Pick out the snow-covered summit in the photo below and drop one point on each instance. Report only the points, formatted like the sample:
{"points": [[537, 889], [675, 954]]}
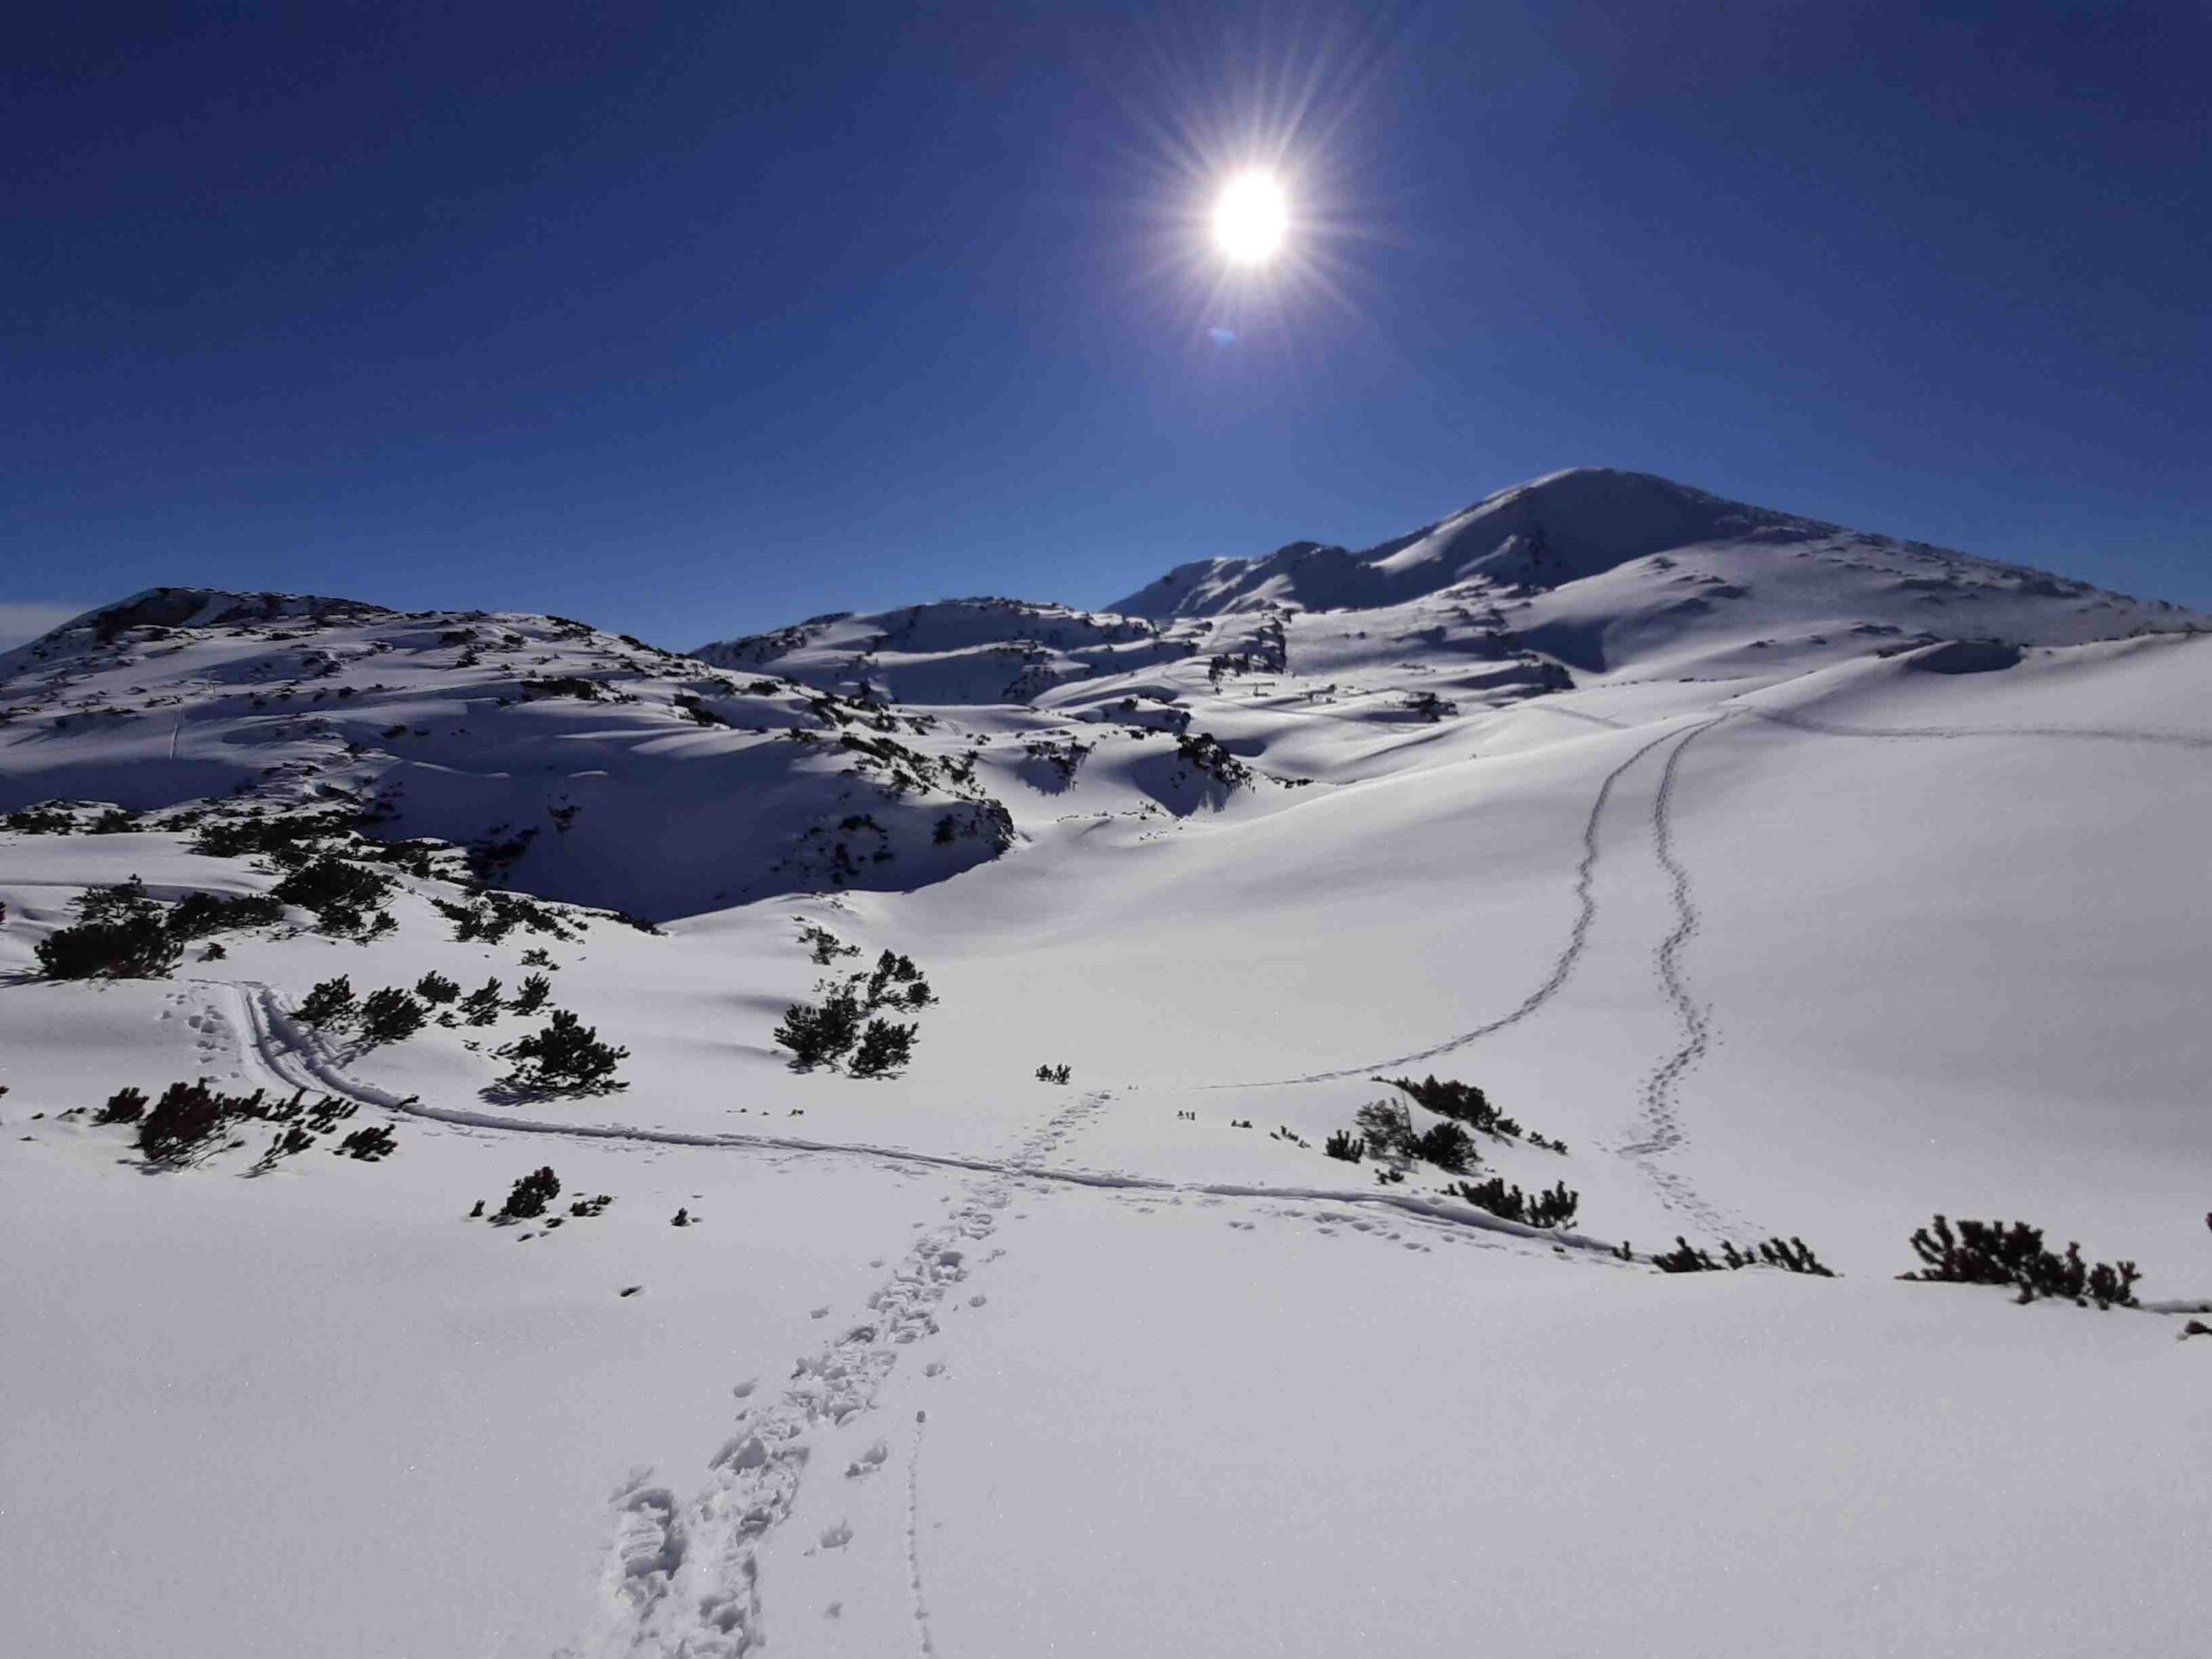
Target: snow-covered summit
{"points": [[1565, 525], [1588, 522], [1592, 569]]}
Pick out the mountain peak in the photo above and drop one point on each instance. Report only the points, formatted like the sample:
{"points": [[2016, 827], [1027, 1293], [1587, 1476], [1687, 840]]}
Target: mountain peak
{"points": [[196, 608], [1562, 526]]}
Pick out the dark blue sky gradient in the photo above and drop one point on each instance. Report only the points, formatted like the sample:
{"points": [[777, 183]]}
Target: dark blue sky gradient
{"points": [[692, 319]]}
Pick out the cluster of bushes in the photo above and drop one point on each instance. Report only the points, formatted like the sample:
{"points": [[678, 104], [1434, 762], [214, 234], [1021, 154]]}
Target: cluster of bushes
{"points": [[825, 946], [1995, 1253], [1386, 1130], [824, 1032], [346, 898], [838, 1027], [1203, 752], [123, 933], [1429, 707], [528, 1197], [1791, 1255], [1060, 1073], [1065, 757], [390, 1015], [1463, 1103], [532, 1195], [492, 916], [1555, 1208], [272, 836], [40, 821], [189, 1115]]}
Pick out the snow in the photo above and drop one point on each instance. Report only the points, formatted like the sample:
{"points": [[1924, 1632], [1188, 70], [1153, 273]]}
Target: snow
{"points": [[1803, 882]]}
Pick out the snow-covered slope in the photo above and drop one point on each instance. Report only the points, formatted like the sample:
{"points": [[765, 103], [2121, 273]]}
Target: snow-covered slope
{"points": [[1785, 882], [957, 651], [579, 764]]}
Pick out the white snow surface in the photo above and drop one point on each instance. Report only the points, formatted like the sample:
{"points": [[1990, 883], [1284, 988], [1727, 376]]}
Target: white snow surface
{"points": [[1803, 882]]}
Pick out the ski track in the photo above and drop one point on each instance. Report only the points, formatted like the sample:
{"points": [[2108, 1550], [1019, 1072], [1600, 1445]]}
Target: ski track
{"points": [[2088, 733], [1658, 1120], [1563, 967]]}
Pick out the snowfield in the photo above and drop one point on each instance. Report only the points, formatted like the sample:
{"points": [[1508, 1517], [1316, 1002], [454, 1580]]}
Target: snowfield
{"points": [[1775, 881]]}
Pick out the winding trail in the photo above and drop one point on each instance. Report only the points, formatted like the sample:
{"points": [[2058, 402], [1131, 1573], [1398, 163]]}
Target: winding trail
{"points": [[293, 1058], [1659, 1121], [1563, 967]]}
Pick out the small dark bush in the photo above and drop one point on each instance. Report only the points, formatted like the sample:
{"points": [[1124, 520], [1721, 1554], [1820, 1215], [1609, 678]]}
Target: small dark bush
{"points": [[884, 1047], [532, 1194], [436, 990], [483, 1004], [826, 946], [1448, 1145], [1993, 1253], [1053, 1073], [391, 1015], [124, 1106], [186, 1114], [330, 1003], [535, 989], [369, 1144], [1346, 1145], [1684, 1258], [1388, 1128], [566, 1057]]}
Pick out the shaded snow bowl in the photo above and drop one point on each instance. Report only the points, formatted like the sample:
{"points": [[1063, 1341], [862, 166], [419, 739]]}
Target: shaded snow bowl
{"points": [[1965, 657]]}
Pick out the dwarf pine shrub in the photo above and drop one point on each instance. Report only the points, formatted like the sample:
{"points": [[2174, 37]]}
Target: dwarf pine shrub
{"points": [[391, 1015], [531, 1194], [1994, 1253], [884, 1047], [436, 990], [330, 1003], [564, 1057]]}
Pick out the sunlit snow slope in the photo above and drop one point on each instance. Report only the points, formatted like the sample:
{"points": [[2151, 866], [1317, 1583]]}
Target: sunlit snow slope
{"points": [[1791, 881]]}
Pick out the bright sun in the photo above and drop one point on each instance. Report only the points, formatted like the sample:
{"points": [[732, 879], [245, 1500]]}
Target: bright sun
{"points": [[1249, 217]]}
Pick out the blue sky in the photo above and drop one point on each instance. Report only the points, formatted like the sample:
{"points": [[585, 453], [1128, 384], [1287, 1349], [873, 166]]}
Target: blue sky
{"points": [[693, 319]]}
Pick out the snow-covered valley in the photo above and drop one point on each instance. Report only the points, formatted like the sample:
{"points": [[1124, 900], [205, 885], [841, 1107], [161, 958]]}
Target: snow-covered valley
{"points": [[1769, 881]]}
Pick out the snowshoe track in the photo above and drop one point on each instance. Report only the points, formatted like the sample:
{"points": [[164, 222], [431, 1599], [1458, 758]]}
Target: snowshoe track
{"points": [[1563, 968], [685, 1579], [1658, 1121]]}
